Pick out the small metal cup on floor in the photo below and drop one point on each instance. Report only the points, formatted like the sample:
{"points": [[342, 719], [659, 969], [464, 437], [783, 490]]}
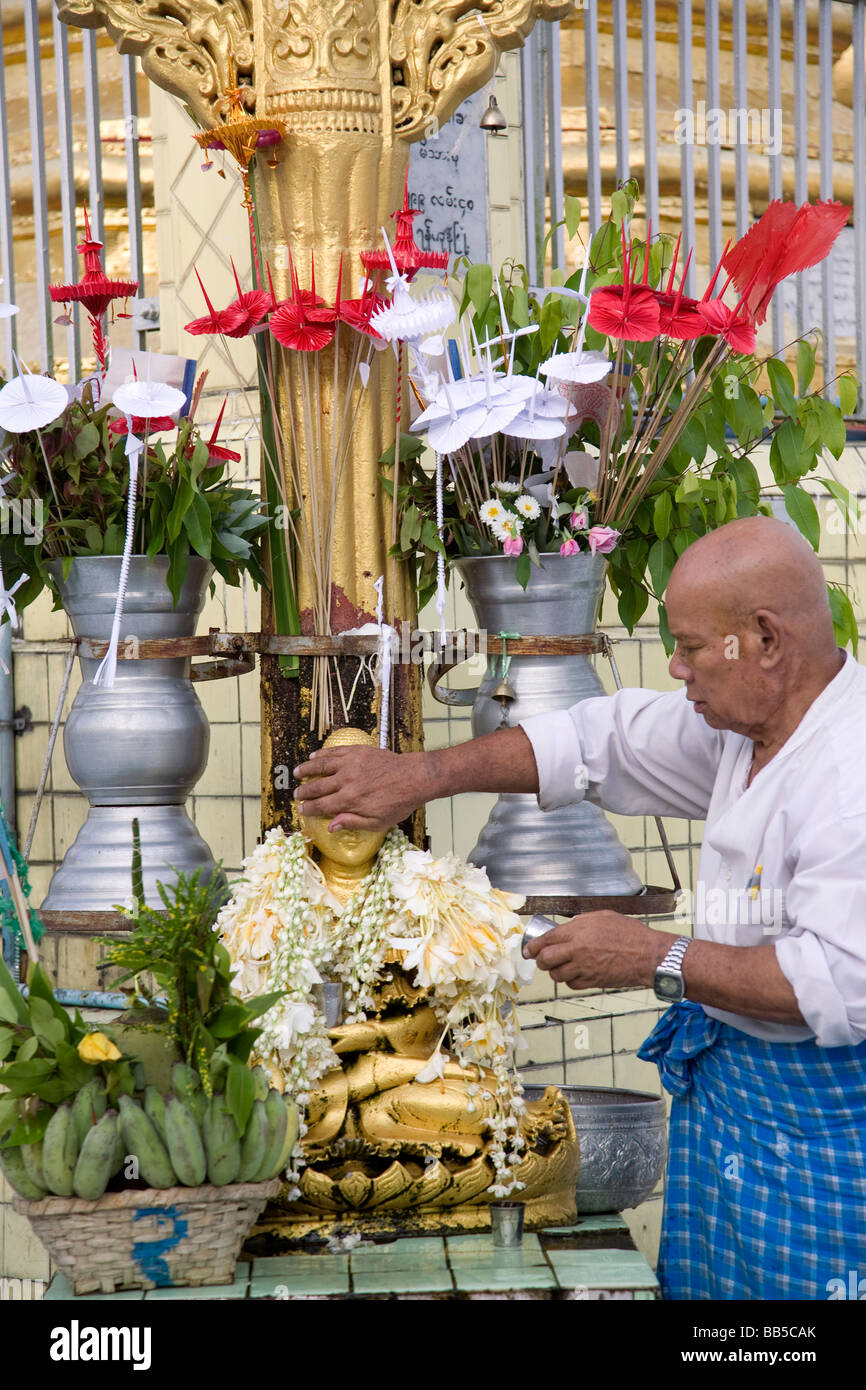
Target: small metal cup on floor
{"points": [[536, 926], [506, 1223], [329, 997]]}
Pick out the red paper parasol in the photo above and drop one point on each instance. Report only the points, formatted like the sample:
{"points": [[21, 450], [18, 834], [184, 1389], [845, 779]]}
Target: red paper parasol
{"points": [[407, 254], [250, 306], [231, 322], [629, 310], [304, 322], [94, 290]]}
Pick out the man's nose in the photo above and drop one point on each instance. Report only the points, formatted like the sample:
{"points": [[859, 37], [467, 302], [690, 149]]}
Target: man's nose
{"points": [[679, 669]]}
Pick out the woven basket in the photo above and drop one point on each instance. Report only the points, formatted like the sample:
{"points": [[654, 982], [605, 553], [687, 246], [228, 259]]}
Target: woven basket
{"points": [[149, 1238]]}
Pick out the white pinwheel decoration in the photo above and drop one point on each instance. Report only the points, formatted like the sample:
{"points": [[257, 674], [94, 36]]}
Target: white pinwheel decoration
{"points": [[576, 368], [29, 402], [148, 399]]}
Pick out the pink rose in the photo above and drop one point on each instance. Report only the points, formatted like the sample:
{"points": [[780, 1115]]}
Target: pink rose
{"points": [[602, 540], [579, 521], [513, 545], [570, 547]]}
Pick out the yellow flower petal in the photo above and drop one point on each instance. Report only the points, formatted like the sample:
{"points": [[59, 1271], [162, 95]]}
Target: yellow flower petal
{"points": [[96, 1048]]}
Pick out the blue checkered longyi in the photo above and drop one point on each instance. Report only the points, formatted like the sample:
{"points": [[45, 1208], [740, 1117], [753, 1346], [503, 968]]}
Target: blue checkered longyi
{"points": [[766, 1180]]}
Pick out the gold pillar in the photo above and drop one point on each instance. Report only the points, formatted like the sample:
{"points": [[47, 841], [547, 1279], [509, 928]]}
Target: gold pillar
{"points": [[355, 82]]}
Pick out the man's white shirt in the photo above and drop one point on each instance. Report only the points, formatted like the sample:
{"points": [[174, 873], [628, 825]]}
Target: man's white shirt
{"points": [[800, 829]]}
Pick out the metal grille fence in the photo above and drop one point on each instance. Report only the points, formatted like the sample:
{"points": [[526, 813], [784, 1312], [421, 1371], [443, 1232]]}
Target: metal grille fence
{"points": [[634, 54], [78, 100], [74, 76]]}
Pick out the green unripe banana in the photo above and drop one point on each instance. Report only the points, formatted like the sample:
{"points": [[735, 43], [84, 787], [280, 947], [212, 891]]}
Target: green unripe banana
{"points": [[185, 1148], [93, 1169], [13, 1168], [154, 1109], [88, 1108], [278, 1123], [293, 1126], [254, 1142], [260, 1077], [186, 1084], [293, 1129], [222, 1146], [142, 1140], [60, 1152], [119, 1155], [32, 1156]]}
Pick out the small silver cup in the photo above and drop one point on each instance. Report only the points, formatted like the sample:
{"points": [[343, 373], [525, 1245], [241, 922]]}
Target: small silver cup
{"points": [[506, 1223], [329, 997], [536, 926]]}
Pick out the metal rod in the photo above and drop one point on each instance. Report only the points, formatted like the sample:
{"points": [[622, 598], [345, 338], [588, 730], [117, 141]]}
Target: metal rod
{"points": [[593, 150], [7, 245], [94, 142], [825, 127], [556, 188], [687, 153], [533, 151], [858, 105], [46, 764], [774, 91], [741, 98], [620, 87], [41, 246], [650, 113], [801, 141], [133, 178], [67, 185], [714, 153]]}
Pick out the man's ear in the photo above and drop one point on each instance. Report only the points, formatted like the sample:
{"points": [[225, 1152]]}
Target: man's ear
{"points": [[769, 630]]}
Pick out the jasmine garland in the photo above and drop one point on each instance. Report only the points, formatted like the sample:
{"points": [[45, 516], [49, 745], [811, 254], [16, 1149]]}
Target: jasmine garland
{"points": [[458, 938]]}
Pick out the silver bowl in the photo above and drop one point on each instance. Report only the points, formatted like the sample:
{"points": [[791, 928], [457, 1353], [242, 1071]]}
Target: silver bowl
{"points": [[623, 1144]]}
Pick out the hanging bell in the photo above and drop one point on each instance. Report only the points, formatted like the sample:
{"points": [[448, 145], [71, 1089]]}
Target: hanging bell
{"points": [[504, 692], [493, 120]]}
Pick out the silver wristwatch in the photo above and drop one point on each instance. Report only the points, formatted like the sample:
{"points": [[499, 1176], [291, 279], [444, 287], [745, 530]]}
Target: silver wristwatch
{"points": [[668, 984]]}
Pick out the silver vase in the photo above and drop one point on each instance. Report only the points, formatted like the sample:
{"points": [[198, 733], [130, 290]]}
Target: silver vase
{"points": [[136, 750], [573, 851]]}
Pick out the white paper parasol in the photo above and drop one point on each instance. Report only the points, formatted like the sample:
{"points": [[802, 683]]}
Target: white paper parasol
{"points": [[29, 402], [147, 399]]}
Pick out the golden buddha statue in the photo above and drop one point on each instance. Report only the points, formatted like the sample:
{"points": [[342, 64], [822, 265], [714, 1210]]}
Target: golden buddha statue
{"points": [[399, 1136]]}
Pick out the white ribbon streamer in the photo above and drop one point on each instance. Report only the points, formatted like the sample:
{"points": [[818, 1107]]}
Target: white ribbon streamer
{"points": [[386, 633], [441, 587], [7, 603], [107, 669]]}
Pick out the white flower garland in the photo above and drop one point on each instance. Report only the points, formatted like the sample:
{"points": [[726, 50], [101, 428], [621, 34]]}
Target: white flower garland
{"points": [[460, 941]]}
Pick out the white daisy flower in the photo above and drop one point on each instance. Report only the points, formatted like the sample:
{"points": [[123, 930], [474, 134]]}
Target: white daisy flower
{"points": [[507, 487], [526, 506], [491, 511]]}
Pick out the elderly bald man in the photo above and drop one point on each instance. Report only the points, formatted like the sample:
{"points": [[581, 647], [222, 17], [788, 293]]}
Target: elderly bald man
{"points": [[764, 1049]]}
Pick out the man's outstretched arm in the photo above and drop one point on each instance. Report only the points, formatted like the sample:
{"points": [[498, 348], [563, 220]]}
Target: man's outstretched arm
{"points": [[372, 788]]}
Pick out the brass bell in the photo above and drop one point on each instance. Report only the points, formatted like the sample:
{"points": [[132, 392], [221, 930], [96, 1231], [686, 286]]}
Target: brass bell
{"points": [[504, 692], [493, 120]]}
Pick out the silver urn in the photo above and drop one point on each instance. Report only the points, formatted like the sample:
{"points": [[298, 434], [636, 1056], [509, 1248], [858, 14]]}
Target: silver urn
{"points": [[573, 851], [136, 750], [623, 1144]]}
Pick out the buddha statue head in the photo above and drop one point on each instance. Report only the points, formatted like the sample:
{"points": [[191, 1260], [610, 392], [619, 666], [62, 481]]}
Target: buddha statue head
{"points": [[344, 856]]}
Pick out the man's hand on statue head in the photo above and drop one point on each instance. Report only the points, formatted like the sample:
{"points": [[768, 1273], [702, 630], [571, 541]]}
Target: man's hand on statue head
{"points": [[373, 789], [600, 950], [362, 788]]}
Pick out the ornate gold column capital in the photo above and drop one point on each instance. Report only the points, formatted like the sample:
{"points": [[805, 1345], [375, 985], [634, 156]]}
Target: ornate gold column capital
{"points": [[362, 66]]}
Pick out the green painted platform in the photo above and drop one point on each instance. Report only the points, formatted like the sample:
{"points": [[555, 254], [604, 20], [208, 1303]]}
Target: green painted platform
{"points": [[590, 1260]]}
